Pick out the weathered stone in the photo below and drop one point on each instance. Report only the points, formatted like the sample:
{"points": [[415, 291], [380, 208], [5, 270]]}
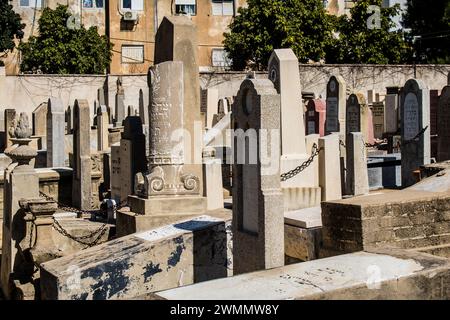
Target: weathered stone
{"points": [[55, 133], [10, 125], [81, 189], [357, 179], [257, 197], [212, 177], [329, 164], [443, 125], [21, 181], [378, 119], [39, 119], [415, 117], [128, 267], [374, 275], [176, 40], [132, 155], [143, 107], [102, 128], [116, 175], [336, 105], [120, 103]]}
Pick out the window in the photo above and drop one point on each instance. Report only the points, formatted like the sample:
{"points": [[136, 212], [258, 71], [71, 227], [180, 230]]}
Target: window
{"points": [[93, 3], [220, 58], [186, 7], [222, 7], [133, 54], [134, 5], [31, 3]]}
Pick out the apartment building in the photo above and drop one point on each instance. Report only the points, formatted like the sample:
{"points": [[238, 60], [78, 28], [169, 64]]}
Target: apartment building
{"points": [[132, 25]]}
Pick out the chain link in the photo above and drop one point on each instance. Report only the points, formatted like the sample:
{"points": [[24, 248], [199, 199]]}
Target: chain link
{"points": [[290, 174], [98, 233], [341, 143]]}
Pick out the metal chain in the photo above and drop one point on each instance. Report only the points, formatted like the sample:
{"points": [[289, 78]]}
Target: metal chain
{"points": [[376, 144], [341, 143], [290, 174], [99, 232], [421, 132]]}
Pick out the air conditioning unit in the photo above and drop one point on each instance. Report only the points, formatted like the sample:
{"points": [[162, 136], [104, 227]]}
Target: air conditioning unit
{"points": [[130, 16]]}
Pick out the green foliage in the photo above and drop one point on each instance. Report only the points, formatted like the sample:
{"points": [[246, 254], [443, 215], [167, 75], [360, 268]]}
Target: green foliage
{"points": [[265, 25], [431, 20], [62, 50], [10, 26], [357, 43]]}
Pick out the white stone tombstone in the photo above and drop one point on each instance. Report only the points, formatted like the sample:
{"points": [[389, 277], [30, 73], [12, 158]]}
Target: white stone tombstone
{"points": [[55, 133], [415, 117], [329, 168], [357, 176], [258, 228], [285, 75]]}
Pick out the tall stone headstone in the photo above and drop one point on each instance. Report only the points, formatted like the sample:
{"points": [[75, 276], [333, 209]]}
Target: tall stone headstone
{"points": [[69, 120], [143, 107], [81, 182], [176, 40], [39, 116], [443, 125], [315, 117], [102, 128], [353, 117], [335, 105], [211, 98], [258, 220], [120, 103], [329, 164], [415, 116], [357, 176], [132, 154], [166, 154], [434, 103], [391, 109], [284, 74], [378, 119], [116, 174], [10, 123], [55, 133]]}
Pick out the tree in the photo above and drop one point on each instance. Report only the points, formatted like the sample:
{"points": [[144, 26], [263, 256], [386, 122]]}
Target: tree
{"points": [[265, 25], [368, 36], [10, 26], [59, 49], [430, 21]]}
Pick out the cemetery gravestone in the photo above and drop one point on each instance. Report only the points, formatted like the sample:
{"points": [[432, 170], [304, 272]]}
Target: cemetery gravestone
{"points": [[335, 105], [55, 133], [415, 145]]}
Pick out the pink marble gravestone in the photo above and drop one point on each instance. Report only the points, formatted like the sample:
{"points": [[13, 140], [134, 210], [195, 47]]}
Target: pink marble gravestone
{"points": [[315, 117]]}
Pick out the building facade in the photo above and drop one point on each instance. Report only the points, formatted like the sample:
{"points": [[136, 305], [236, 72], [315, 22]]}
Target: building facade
{"points": [[132, 25]]}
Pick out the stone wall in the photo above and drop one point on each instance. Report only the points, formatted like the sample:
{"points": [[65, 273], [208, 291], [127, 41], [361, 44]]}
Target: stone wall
{"points": [[402, 219], [26, 92]]}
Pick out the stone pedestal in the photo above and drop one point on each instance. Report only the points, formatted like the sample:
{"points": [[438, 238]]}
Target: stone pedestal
{"points": [[21, 181]]}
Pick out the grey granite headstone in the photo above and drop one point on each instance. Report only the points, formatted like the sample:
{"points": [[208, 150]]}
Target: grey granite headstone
{"points": [[415, 109], [443, 125]]}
